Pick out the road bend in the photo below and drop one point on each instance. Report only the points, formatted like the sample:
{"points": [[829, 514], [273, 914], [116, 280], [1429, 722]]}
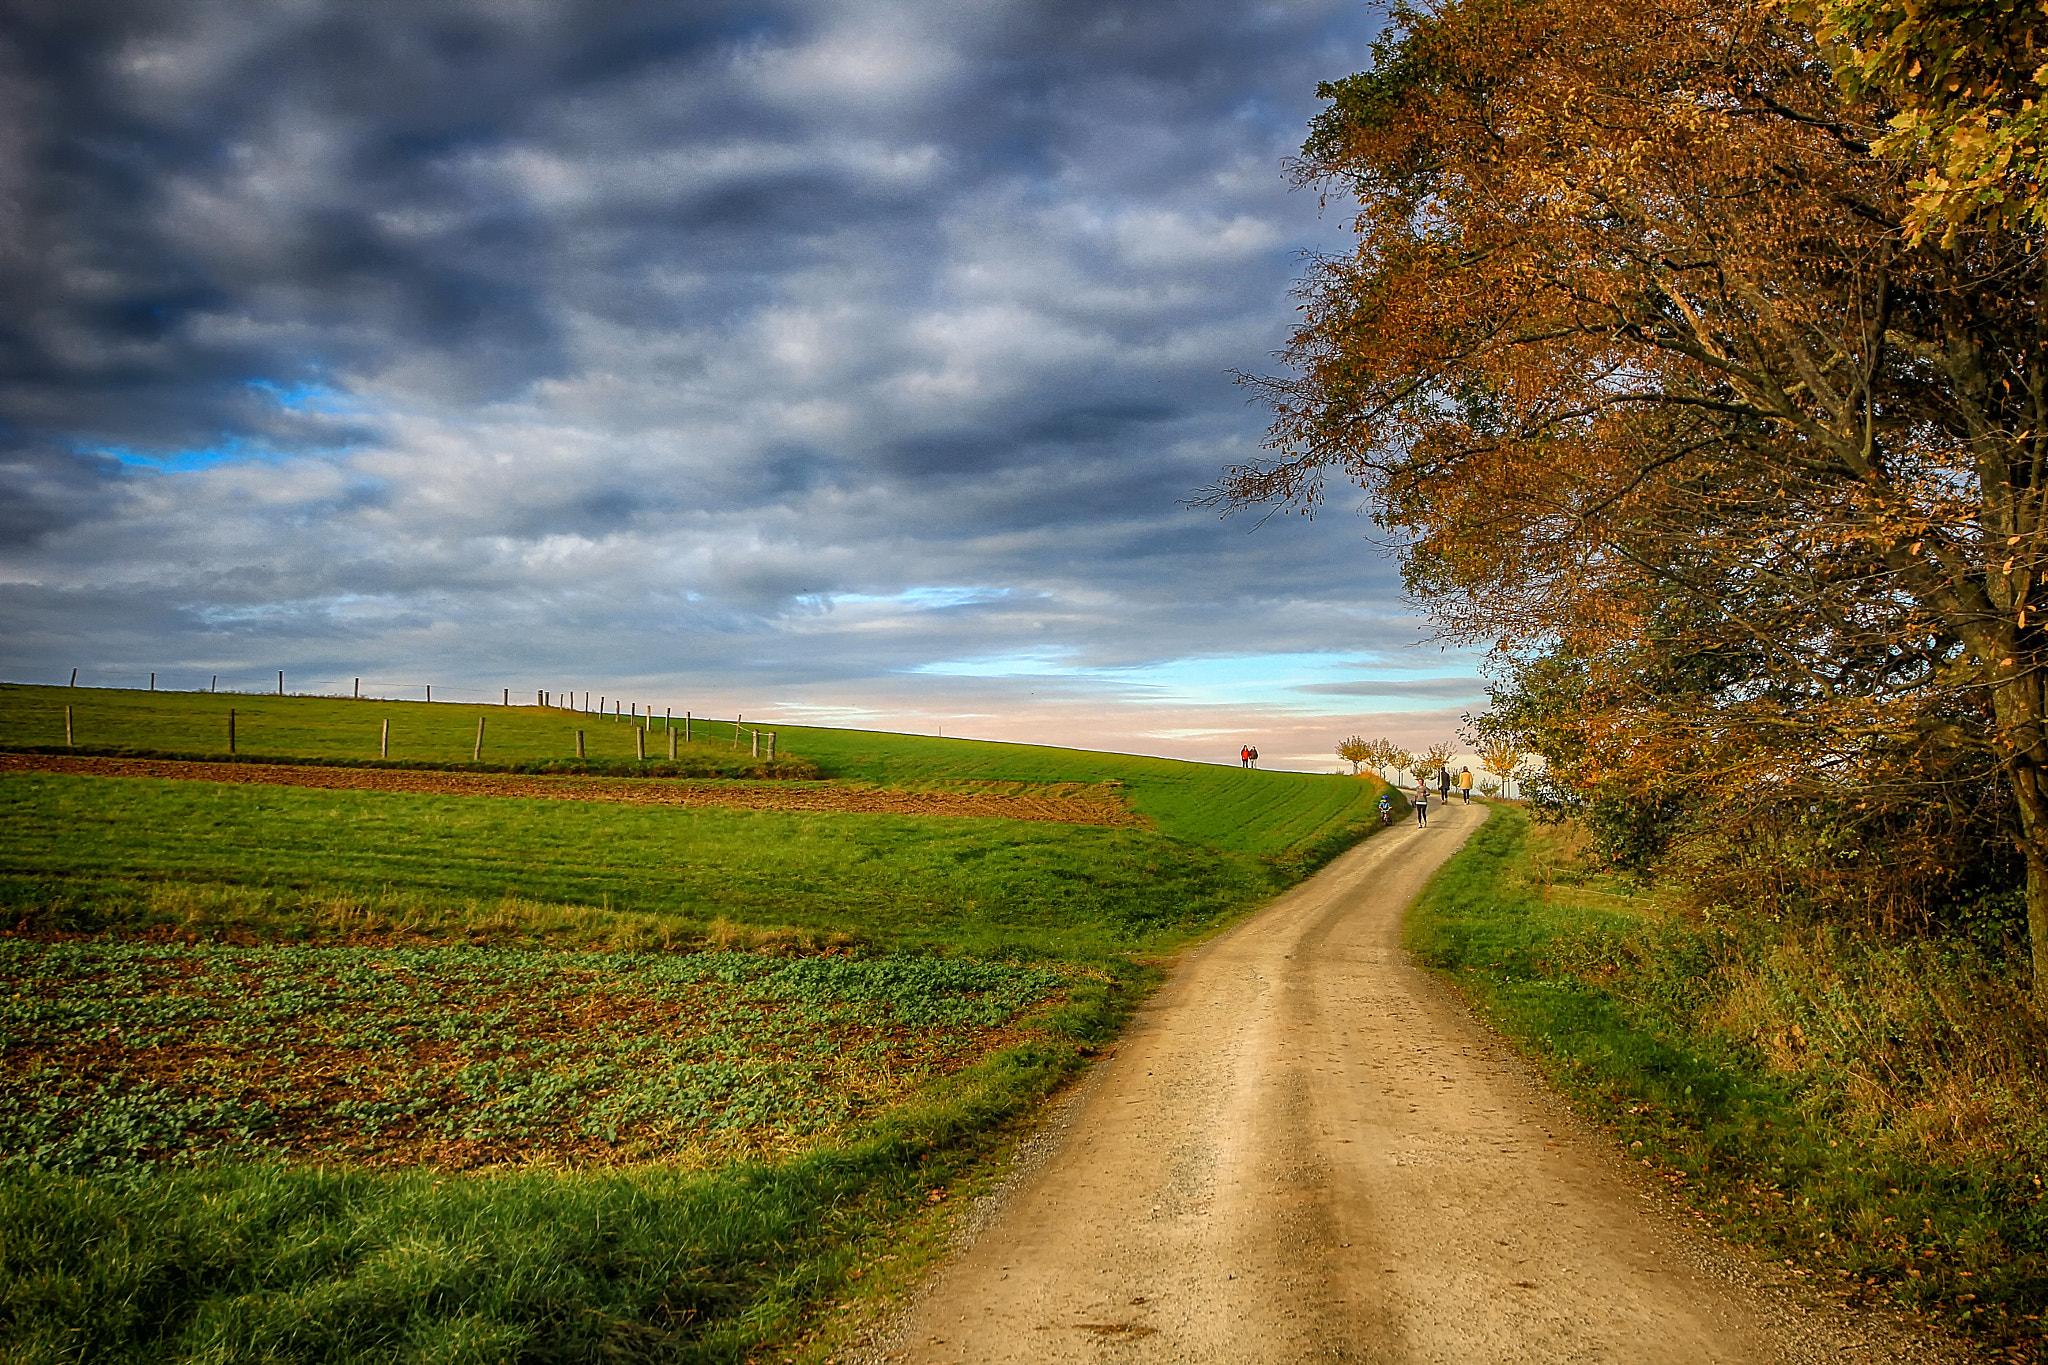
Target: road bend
{"points": [[1305, 1149]]}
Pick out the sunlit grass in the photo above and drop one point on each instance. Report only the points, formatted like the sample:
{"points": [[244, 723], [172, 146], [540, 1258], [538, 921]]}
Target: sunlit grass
{"points": [[1860, 1107], [83, 853], [1267, 814]]}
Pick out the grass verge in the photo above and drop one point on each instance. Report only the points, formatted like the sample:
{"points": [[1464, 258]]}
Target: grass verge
{"points": [[1643, 1014]]}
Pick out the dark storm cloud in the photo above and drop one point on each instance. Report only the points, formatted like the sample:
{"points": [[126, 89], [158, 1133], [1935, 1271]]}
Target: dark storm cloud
{"points": [[45, 489], [785, 344]]}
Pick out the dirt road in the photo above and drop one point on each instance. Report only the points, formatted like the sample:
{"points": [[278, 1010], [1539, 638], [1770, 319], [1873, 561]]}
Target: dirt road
{"points": [[1305, 1150]]}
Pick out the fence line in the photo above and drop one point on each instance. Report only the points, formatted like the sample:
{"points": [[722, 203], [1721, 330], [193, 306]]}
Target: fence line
{"points": [[640, 715]]}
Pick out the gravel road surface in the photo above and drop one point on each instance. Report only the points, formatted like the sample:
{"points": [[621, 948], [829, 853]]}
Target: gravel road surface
{"points": [[1306, 1150]]}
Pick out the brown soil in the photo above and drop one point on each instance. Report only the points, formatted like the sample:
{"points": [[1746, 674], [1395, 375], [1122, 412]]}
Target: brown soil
{"points": [[1307, 1150], [1073, 805], [301, 1076]]}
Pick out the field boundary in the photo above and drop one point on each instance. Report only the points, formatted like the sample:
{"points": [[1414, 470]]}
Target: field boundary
{"points": [[696, 765], [831, 799]]}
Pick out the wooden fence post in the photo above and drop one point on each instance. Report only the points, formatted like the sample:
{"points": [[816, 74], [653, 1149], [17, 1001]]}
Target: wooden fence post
{"points": [[74, 677], [430, 691], [280, 682], [756, 735], [384, 740], [359, 689], [737, 718], [639, 744], [152, 682], [671, 746], [579, 744], [771, 746], [477, 754], [231, 729], [67, 727], [508, 696], [686, 727], [216, 684]]}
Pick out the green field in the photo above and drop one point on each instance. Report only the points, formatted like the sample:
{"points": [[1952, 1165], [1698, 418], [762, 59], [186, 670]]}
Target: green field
{"points": [[1245, 810], [309, 1075], [1262, 813], [331, 727], [83, 854]]}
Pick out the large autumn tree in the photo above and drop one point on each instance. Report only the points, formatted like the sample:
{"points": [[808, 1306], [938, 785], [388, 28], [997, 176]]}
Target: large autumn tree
{"points": [[1644, 361]]}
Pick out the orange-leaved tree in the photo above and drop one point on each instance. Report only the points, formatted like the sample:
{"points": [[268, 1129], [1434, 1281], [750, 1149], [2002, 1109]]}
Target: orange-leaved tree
{"points": [[1355, 750], [1393, 760], [1644, 365]]}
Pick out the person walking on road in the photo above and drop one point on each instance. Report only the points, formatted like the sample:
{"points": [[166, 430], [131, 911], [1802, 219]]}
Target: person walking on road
{"points": [[1421, 803], [1465, 783], [1443, 783]]}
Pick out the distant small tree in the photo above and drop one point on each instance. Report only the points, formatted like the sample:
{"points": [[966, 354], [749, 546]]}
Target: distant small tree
{"points": [[1399, 759], [1437, 756], [1356, 750], [1502, 756]]}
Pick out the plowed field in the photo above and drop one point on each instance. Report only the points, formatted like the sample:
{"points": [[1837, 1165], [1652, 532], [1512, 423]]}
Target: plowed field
{"points": [[1062, 803]]}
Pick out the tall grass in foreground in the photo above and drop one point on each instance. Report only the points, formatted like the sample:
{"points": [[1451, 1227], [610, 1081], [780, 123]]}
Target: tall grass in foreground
{"points": [[1871, 1110]]}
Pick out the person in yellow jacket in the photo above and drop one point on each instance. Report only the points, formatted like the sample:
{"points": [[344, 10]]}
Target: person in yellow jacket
{"points": [[1465, 784]]}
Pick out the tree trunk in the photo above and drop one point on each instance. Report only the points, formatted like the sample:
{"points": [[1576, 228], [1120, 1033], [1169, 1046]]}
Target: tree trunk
{"points": [[2026, 781], [2017, 709]]}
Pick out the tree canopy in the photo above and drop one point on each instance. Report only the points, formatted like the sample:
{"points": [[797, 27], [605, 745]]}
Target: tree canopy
{"points": [[1967, 81], [1653, 376]]}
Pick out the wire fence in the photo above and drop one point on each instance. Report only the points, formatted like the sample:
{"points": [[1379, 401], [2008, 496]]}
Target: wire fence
{"points": [[578, 701]]}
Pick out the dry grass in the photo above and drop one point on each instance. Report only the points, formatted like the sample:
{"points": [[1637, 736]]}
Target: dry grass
{"points": [[1917, 1043], [1923, 1044]]}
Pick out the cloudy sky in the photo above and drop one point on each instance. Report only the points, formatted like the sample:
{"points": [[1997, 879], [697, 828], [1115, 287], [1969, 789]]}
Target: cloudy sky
{"points": [[847, 362]]}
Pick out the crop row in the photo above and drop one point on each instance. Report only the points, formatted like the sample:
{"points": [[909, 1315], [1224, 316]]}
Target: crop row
{"points": [[125, 1053]]}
